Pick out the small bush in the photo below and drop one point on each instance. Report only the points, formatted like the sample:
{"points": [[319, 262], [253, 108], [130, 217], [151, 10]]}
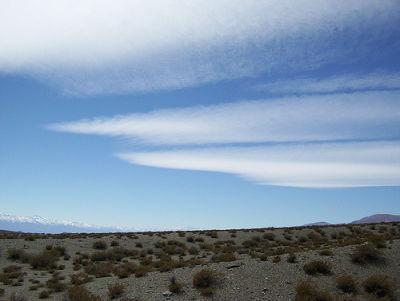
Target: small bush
{"points": [[224, 257], [55, 285], [346, 284], [365, 254], [44, 294], [16, 254], [116, 290], [380, 286], [276, 259], [79, 293], [205, 280], [291, 258], [306, 291], [269, 236], [114, 243], [80, 278], [175, 286], [317, 267], [100, 245], [99, 269]]}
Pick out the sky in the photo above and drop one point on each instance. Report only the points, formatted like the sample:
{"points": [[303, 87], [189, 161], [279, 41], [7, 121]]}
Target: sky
{"points": [[200, 114]]}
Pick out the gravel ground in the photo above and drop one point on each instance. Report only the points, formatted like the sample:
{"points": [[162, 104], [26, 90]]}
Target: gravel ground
{"points": [[249, 279]]}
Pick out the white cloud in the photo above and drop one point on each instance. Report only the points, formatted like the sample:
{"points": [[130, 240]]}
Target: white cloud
{"points": [[347, 82], [361, 116], [309, 165], [99, 46]]}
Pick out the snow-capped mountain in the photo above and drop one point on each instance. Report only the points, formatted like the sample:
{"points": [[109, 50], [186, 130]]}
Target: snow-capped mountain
{"points": [[38, 224]]}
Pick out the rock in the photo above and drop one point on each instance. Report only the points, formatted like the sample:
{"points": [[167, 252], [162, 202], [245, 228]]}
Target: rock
{"points": [[233, 266], [167, 294]]}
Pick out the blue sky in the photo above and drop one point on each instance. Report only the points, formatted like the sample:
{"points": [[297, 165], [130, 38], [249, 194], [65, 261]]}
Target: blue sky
{"points": [[200, 114]]}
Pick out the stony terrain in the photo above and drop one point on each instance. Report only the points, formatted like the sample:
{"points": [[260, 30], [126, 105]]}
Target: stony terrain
{"points": [[303, 263]]}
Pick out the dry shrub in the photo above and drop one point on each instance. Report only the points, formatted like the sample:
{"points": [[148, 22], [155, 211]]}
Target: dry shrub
{"points": [[306, 291], [44, 294], [99, 269], [205, 281], [365, 254], [115, 290], [100, 245], [79, 293], [380, 286], [80, 278], [224, 257], [15, 254], [269, 236], [346, 284], [175, 286], [276, 259], [292, 258], [316, 267]]}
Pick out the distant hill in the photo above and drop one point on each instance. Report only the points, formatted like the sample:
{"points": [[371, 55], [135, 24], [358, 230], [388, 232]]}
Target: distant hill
{"points": [[378, 218], [38, 224], [319, 224]]}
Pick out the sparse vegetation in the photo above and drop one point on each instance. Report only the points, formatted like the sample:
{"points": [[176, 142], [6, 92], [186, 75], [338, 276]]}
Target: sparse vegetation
{"points": [[41, 265]]}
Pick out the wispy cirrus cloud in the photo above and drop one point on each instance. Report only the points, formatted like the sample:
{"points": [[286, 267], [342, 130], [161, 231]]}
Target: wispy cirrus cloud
{"points": [[335, 84], [94, 46], [306, 165], [355, 116], [313, 141]]}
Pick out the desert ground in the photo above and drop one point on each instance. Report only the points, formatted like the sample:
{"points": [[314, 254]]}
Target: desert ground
{"points": [[321, 263]]}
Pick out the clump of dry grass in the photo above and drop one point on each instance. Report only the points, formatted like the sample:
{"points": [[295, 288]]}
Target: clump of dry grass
{"points": [[307, 291], [116, 290], [366, 254], [99, 270], [380, 286], [224, 257], [80, 278], [292, 258], [79, 293], [100, 245], [316, 267], [175, 286], [346, 284], [44, 294], [205, 281]]}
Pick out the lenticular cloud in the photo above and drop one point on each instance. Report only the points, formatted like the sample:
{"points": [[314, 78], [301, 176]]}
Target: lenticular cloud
{"points": [[355, 116], [302, 133], [317, 165]]}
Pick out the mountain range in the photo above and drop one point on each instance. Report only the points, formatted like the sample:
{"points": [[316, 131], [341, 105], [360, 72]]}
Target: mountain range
{"points": [[372, 219], [38, 224]]}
